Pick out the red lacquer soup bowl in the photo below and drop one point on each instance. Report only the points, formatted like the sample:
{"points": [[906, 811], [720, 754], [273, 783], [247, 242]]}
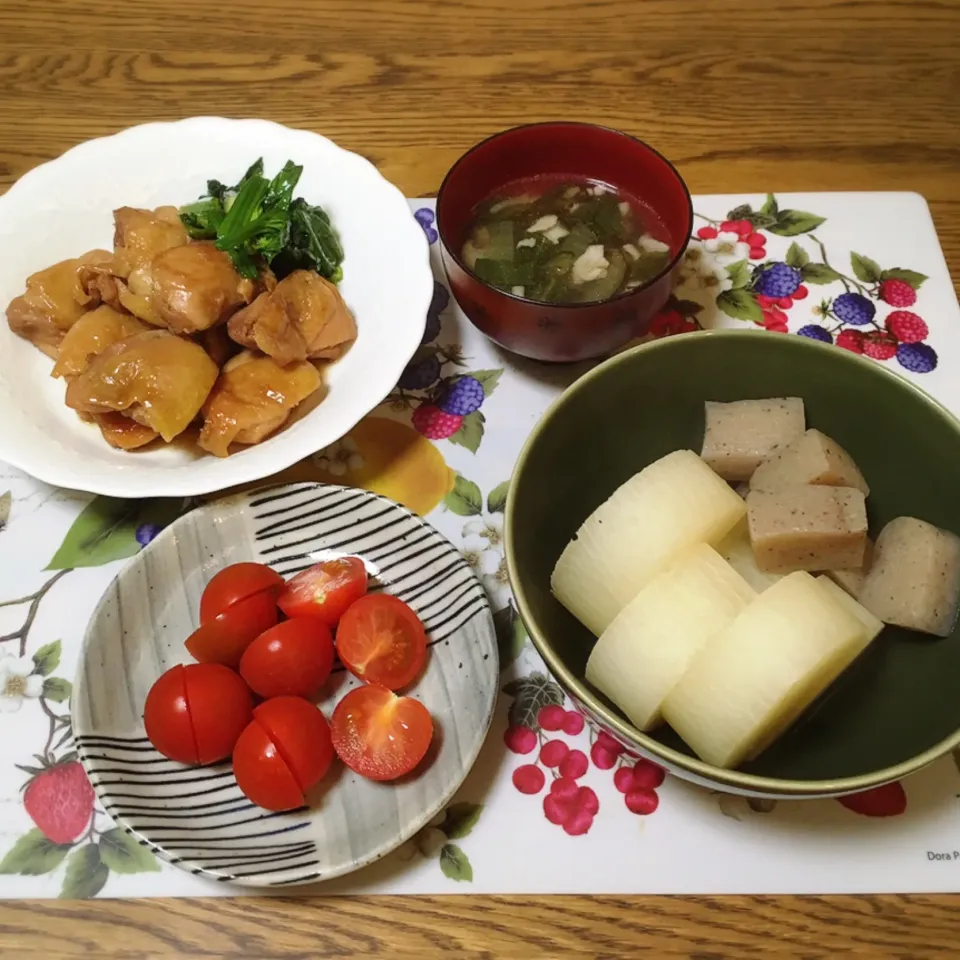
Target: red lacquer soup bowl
{"points": [[561, 151]]}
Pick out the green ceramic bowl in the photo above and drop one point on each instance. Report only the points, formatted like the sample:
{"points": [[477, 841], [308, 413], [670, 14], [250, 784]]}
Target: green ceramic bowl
{"points": [[897, 708]]}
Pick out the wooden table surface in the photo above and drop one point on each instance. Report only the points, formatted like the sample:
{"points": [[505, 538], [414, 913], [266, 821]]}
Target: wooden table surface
{"points": [[750, 95]]}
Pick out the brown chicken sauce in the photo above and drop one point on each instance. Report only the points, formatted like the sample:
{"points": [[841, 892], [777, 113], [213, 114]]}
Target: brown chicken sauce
{"points": [[147, 336]]}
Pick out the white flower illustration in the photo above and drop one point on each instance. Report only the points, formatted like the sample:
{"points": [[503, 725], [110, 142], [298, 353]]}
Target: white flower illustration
{"points": [[727, 247], [704, 271], [497, 584], [340, 457], [17, 680], [484, 533]]}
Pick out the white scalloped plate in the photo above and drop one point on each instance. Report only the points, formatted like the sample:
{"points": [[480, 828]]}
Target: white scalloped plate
{"points": [[65, 207]]}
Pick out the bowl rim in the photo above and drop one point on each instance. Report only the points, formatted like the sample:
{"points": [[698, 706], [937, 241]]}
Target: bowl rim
{"points": [[751, 784], [583, 124]]}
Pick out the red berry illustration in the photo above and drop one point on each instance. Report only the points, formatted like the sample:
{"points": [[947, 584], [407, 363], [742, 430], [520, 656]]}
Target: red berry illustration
{"points": [[578, 824], [879, 346], [556, 810], [729, 226], [850, 340], [898, 293], [574, 765], [641, 801], [529, 778], [757, 253], [551, 717], [564, 789], [888, 800], [553, 753], [587, 800], [801, 293], [60, 802], [647, 775], [602, 758], [707, 233], [756, 240], [623, 779], [520, 739], [906, 326], [573, 723], [433, 423], [609, 744]]}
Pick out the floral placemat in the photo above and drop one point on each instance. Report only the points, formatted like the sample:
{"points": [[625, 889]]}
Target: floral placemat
{"points": [[551, 806]]}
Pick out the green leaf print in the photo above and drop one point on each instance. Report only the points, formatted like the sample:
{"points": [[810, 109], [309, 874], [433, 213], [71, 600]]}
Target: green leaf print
{"points": [[865, 269], [497, 497], [460, 819], [47, 658], [791, 223], [819, 273], [465, 498], [488, 379], [57, 689], [33, 854], [770, 208], [122, 854], [511, 634], [454, 863], [739, 274], [796, 255], [85, 875], [907, 276], [741, 305], [530, 693], [6, 501], [471, 431]]}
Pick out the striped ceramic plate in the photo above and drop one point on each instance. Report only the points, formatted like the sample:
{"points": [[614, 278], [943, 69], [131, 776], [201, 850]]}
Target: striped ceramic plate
{"points": [[196, 817]]}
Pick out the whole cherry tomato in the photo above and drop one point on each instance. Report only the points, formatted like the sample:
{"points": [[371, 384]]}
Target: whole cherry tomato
{"points": [[224, 638], [294, 658], [381, 640], [235, 583], [166, 717], [379, 735], [324, 590]]}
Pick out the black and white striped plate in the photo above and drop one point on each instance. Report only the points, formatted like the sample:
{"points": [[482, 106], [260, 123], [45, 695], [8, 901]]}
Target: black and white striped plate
{"points": [[196, 817]]}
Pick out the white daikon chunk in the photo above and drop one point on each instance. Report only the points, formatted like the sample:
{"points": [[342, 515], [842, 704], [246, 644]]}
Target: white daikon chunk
{"points": [[871, 624], [672, 504], [647, 648], [739, 436], [807, 528], [751, 681], [737, 550], [813, 458], [914, 580]]}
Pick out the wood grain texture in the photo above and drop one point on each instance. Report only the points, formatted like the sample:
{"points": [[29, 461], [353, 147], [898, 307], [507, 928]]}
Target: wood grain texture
{"points": [[751, 95]]}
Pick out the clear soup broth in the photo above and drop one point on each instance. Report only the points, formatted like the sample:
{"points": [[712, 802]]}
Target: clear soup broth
{"points": [[565, 241]]}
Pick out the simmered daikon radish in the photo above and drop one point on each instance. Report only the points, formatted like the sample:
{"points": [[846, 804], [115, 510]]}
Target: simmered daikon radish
{"points": [[672, 504], [753, 679], [739, 436], [914, 580], [737, 550], [852, 580], [646, 649], [873, 625], [807, 528], [813, 458]]}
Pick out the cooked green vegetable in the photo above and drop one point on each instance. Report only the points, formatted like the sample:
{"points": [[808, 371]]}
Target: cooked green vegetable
{"points": [[258, 223]]}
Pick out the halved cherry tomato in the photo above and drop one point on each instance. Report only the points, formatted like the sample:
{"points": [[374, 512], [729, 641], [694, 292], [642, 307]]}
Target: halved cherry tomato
{"points": [[224, 638], [220, 707], [302, 737], [379, 735], [166, 717], [195, 713], [235, 583], [262, 774], [325, 590], [294, 658], [381, 640]]}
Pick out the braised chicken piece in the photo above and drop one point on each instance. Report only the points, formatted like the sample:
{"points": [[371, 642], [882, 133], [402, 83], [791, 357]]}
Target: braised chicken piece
{"points": [[252, 398], [158, 379], [53, 301], [304, 317], [186, 289], [90, 335], [122, 432], [140, 235], [216, 341]]}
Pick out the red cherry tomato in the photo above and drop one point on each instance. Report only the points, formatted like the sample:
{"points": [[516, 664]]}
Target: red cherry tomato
{"points": [[294, 658], [379, 735], [224, 638], [325, 590], [167, 717], [262, 774], [381, 640], [220, 707], [235, 583], [302, 737]]}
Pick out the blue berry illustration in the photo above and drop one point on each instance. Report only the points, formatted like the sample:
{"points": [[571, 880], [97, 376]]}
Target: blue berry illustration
{"points": [[422, 372], [441, 297], [432, 329], [777, 280], [815, 332], [463, 397], [853, 308], [425, 217], [146, 532], [917, 357]]}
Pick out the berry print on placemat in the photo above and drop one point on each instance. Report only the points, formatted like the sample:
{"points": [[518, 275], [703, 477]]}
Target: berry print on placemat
{"points": [[435, 840], [426, 218]]}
